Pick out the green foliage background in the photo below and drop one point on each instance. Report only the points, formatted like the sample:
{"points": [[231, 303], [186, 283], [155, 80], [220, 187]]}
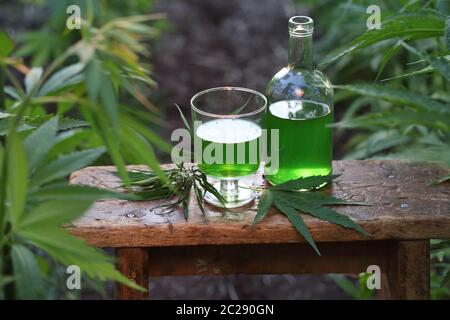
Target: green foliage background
{"points": [[393, 88], [83, 98]]}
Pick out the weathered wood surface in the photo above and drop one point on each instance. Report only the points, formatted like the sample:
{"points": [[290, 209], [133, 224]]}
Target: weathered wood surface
{"points": [[133, 263], [405, 207], [408, 270], [404, 264]]}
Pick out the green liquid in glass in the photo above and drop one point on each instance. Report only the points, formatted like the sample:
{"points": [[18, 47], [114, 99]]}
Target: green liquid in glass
{"points": [[230, 148], [305, 139]]}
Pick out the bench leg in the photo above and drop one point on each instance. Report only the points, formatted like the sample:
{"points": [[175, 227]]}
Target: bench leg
{"points": [[133, 263], [408, 271]]}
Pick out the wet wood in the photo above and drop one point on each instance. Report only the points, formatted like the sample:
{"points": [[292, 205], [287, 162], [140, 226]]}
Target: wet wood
{"points": [[404, 207]]}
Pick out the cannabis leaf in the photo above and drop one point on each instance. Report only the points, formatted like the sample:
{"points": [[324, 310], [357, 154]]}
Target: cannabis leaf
{"points": [[241, 108], [265, 203], [441, 180], [447, 33], [411, 26], [183, 118], [289, 200], [296, 220], [307, 183], [147, 185], [446, 279], [440, 64]]}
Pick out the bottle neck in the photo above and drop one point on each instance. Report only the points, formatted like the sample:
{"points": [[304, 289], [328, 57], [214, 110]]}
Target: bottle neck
{"points": [[300, 52]]}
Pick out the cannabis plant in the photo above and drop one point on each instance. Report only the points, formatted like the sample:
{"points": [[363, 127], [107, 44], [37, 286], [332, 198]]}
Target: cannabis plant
{"points": [[402, 111], [409, 113], [83, 87], [50, 40]]}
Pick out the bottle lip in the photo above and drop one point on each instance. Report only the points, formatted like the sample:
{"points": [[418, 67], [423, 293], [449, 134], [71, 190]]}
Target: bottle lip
{"points": [[301, 26]]}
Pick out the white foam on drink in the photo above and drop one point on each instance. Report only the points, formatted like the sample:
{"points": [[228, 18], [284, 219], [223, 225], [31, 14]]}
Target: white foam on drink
{"points": [[229, 131]]}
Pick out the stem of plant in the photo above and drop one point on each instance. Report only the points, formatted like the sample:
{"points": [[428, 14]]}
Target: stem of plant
{"points": [[5, 248], [2, 86], [10, 288], [2, 167], [12, 78]]}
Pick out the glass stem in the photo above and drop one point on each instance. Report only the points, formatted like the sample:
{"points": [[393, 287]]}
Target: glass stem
{"points": [[229, 189]]}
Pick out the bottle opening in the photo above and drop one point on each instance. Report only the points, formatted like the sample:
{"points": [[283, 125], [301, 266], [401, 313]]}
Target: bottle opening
{"points": [[301, 26]]}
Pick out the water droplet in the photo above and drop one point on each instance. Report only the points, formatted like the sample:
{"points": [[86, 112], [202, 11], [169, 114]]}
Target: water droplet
{"points": [[403, 206], [134, 214], [392, 176]]}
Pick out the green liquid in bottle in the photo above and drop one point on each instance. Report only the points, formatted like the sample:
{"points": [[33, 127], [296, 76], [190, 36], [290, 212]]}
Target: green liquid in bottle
{"points": [[305, 139], [230, 148]]}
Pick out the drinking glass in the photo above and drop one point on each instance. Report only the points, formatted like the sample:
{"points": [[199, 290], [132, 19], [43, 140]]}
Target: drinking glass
{"points": [[227, 131]]}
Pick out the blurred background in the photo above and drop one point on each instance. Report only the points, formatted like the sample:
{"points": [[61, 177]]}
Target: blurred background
{"points": [[199, 44]]}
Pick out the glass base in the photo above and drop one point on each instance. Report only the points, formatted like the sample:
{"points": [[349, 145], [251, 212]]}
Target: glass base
{"points": [[243, 196]]}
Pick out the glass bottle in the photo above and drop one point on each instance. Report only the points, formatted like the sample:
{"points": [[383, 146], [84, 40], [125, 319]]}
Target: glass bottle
{"points": [[300, 105]]}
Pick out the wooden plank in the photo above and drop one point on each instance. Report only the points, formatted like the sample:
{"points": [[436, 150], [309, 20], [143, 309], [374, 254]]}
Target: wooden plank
{"points": [[132, 263], [409, 270], [405, 207], [351, 258]]}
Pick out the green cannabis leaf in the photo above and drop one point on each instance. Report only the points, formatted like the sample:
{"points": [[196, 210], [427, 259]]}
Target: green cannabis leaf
{"points": [[441, 180], [446, 279], [289, 200], [411, 26], [183, 118], [447, 33], [147, 185], [296, 220]]}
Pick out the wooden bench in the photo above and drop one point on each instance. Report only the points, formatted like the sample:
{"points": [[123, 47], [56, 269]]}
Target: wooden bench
{"points": [[406, 213]]}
